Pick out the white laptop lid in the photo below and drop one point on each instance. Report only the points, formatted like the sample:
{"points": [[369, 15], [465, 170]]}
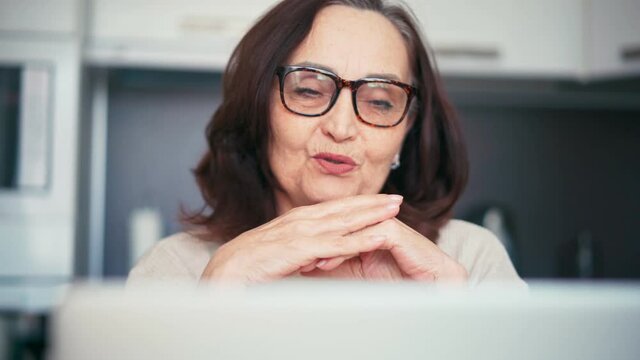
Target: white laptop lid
{"points": [[347, 320]]}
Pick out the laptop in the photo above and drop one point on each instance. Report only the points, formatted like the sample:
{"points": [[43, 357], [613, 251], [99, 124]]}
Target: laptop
{"points": [[349, 320]]}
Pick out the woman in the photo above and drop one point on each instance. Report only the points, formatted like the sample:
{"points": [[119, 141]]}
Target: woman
{"points": [[334, 154]]}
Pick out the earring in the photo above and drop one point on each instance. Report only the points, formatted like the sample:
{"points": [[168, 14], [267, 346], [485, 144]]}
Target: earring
{"points": [[396, 162]]}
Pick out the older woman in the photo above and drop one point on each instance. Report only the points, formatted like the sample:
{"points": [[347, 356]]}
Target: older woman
{"points": [[334, 154]]}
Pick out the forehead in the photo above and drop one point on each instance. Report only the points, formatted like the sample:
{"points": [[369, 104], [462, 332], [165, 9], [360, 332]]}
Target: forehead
{"points": [[354, 43]]}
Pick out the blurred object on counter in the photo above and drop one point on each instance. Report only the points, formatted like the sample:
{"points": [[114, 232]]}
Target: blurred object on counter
{"points": [[23, 336], [581, 257], [4, 338]]}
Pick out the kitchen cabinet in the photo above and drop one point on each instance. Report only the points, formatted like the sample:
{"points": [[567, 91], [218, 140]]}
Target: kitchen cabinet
{"points": [[568, 39], [39, 18], [189, 34], [613, 36], [505, 37], [484, 37]]}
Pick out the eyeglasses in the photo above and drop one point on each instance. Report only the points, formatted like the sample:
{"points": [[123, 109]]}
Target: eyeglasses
{"points": [[309, 91]]}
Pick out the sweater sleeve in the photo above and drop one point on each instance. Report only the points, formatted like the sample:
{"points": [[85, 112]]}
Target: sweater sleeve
{"points": [[492, 263], [178, 258], [158, 264], [480, 252]]}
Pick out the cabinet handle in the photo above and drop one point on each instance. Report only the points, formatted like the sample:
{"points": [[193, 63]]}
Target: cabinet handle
{"points": [[475, 52], [203, 24], [630, 53]]}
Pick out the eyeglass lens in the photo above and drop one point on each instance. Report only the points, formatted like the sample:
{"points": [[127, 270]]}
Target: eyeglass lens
{"points": [[310, 93]]}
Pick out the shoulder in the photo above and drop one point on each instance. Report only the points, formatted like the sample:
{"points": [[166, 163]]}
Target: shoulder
{"points": [[457, 227], [180, 256], [459, 235], [478, 250]]}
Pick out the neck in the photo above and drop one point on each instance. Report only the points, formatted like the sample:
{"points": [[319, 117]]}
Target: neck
{"points": [[283, 202]]}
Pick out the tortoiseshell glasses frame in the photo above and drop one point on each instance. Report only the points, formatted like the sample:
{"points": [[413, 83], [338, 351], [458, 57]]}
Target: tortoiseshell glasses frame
{"points": [[354, 85]]}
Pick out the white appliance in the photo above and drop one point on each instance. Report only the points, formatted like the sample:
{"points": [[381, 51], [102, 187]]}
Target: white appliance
{"points": [[40, 45]]}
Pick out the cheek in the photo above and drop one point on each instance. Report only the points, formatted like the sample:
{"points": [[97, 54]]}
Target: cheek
{"points": [[381, 148], [287, 146], [383, 145]]}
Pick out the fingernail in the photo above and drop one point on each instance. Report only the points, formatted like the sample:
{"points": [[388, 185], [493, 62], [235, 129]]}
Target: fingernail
{"points": [[378, 238], [321, 263], [395, 198], [393, 206]]}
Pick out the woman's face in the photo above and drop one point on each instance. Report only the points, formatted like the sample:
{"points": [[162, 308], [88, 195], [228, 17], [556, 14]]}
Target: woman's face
{"points": [[353, 44]]}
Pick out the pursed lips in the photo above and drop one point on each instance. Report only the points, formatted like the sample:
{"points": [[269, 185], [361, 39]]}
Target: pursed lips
{"points": [[335, 164]]}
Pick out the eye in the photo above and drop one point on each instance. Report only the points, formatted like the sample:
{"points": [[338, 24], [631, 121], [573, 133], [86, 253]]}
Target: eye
{"points": [[306, 92], [381, 104]]}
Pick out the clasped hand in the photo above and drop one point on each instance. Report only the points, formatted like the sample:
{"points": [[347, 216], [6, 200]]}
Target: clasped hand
{"points": [[355, 237]]}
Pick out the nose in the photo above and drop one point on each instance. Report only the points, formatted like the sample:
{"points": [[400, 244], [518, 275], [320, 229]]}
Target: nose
{"points": [[341, 123]]}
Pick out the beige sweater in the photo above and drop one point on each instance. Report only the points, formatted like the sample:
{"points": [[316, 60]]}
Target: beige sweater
{"points": [[184, 256]]}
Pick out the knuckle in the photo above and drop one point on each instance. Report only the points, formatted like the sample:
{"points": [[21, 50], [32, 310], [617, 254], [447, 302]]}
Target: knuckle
{"points": [[347, 221]]}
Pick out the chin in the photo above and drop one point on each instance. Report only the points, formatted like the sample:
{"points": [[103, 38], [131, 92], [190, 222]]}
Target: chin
{"points": [[324, 193]]}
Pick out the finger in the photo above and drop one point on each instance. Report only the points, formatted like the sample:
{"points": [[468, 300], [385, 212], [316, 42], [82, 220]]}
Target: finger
{"points": [[309, 267], [350, 203], [330, 264], [358, 219], [417, 256], [342, 216], [336, 246], [389, 230]]}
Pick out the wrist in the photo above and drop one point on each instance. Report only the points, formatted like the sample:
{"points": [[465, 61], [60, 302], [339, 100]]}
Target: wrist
{"points": [[455, 273], [218, 268]]}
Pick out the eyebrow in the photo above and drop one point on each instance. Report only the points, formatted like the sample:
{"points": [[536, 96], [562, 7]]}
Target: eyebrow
{"points": [[327, 68]]}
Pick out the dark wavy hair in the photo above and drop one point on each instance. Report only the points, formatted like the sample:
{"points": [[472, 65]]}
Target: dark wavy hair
{"points": [[234, 174]]}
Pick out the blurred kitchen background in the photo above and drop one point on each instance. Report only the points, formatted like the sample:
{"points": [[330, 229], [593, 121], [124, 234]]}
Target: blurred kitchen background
{"points": [[103, 105]]}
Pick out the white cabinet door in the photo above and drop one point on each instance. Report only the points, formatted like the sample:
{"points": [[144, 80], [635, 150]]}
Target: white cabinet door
{"points": [[575, 39], [505, 37], [169, 33], [39, 17], [613, 37]]}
